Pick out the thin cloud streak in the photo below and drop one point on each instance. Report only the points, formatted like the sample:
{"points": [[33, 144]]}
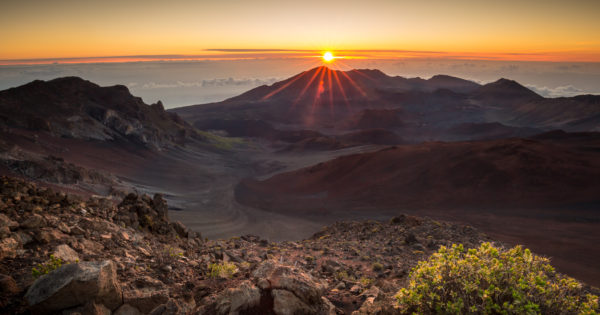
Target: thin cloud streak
{"points": [[276, 53]]}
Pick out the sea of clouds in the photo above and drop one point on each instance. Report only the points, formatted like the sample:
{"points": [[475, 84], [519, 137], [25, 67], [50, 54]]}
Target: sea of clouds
{"points": [[180, 83]]}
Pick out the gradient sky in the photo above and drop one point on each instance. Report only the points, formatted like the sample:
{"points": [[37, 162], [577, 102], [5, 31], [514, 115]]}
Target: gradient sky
{"points": [[549, 30]]}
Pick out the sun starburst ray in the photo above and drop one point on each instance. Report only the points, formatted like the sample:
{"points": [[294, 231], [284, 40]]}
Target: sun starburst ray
{"points": [[301, 94]]}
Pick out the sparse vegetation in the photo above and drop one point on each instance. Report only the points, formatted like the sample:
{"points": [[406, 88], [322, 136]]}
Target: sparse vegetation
{"points": [[309, 259], [366, 281], [343, 275], [224, 270], [52, 264], [220, 142], [491, 280], [377, 267]]}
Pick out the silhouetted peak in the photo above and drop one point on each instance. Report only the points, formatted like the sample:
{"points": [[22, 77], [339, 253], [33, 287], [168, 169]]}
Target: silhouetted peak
{"points": [[507, 83], [505, 87], [373, 73]]}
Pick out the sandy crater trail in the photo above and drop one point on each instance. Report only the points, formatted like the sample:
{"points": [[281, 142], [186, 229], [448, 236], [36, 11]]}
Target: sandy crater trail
{"points": [[199, 187]]}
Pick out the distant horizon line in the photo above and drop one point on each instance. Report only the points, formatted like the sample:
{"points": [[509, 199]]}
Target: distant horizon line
{"points": [[216, 54]]}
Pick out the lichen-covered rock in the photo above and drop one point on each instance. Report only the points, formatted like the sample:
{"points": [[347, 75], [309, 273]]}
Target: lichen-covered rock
{"points": [[75, 285]]}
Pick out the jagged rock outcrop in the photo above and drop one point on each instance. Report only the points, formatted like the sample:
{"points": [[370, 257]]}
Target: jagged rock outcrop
{"points": [[275, 289], [75, 108]]}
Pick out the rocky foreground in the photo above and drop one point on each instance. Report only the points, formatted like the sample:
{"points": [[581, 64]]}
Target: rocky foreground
{"points": [[62, 254]]}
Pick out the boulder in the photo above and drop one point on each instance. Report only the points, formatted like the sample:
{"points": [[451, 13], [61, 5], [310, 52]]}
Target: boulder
{"points": [[172, 307], [8, 247], [127, 309], [6, 225], [35, 221], [145, 299], [292, 291], [285, 278], [90, 308], [48, 235], [8, 286], [276, 289], [180, 229], [75, 285], [160, 205], [66, 253], [330, 266], [286, 303], [241, 298], [6, 221]]}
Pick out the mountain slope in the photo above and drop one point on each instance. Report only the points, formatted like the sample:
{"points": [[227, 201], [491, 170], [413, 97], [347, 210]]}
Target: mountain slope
{"points": [[74, 108], [506, 173], [331, 101]]}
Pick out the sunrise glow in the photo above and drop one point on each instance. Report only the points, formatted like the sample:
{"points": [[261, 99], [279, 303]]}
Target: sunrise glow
{"points": [[328, 56], [222, 29]]}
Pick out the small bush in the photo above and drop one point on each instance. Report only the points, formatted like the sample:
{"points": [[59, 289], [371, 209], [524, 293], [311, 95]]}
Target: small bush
{"points": [[343, 275], [377, 267], [489, 280], [42, 269], [309, 259], [224, 270], [365, 281]]}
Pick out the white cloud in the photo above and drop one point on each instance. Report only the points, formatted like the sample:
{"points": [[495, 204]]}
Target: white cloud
{"points": [[564, 91], [251, 82]]}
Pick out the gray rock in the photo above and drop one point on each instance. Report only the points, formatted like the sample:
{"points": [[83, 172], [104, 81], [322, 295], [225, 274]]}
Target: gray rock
{"points": [[172, 307], [90, 308], [8, 286], [330, 266], [286, 303], [6, 221], [23, 237], [74, 285], [238, 299], [8, 247], [180, 229], [283, 277], [127, 309], [35, 221], [6, 225], [66, 253], [293, 291], [146, 299]]}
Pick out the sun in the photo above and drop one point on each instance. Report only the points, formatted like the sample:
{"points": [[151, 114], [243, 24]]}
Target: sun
{"points": [[328, 56]]}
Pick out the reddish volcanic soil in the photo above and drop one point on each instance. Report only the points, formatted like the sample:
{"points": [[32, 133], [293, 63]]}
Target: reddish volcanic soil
{"points": [[540, 193], [513, 173]]}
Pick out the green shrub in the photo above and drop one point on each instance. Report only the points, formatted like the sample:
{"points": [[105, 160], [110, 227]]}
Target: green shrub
{"points": [[343, 275], [365, 281], [309, 259], [42, 269], [490, 280], [224, 270], [377, 267]]}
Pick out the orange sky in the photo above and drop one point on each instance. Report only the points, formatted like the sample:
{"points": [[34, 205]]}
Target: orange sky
{"points": [[548, 30]]}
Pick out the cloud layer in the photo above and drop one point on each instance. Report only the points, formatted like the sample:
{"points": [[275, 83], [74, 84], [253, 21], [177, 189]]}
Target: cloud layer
{"points": [[251, 82]]}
